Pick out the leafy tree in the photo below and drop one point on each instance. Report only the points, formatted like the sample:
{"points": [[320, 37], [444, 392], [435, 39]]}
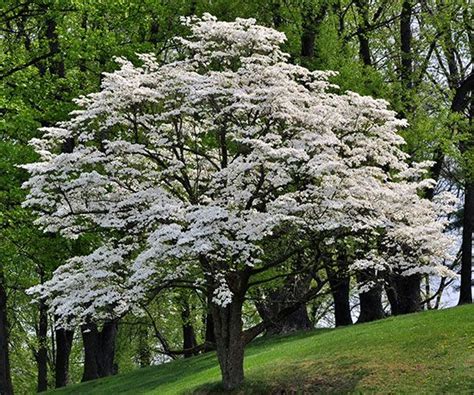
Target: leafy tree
{"points": [[216, 167]]}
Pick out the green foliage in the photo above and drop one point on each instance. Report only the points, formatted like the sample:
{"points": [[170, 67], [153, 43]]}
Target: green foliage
{"points": [[90, 33]]}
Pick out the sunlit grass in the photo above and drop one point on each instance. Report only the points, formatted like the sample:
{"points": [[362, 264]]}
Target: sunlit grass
{"points": [[419, 353]]}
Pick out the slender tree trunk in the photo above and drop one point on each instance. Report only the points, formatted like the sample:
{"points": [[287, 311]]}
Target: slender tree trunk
{"points": [[339, 283], [64, 340], [406, 288], [209, 335], [57, 62], [464, 99], [229, 342], [189, 338], [144, 352], [6, 387], [362, 31], [465, 295], [42, 353], [406, 69]]}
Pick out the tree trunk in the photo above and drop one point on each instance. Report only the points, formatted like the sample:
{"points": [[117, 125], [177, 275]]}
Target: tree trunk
{"points": [[293, 290], [189, 338], [362, 31], [339, 282], [64, 340], [406, 69], [465, 295], [99, 350], [409, 295], [143, 351], [312, 19], [107, 339], [90, 340], [371, 307], [209, 335], [404, 294], [229, 342], [42, 353], [6, 387]]}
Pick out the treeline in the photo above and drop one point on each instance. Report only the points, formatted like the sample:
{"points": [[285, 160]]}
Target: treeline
{"points": [[415, 54]]}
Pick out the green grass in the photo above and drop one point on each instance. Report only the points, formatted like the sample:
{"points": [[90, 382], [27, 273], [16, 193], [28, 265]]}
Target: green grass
{"points": [[428, 352]]}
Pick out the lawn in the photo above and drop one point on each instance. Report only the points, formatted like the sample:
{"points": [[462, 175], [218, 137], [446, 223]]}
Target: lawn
{"points": [[427, 352]]}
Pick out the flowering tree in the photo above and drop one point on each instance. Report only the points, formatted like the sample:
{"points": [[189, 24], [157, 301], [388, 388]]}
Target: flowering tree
{"points": [[216, 166]]}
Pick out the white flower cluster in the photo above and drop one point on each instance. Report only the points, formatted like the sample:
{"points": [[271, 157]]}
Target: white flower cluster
{"points": [[200, 162]]}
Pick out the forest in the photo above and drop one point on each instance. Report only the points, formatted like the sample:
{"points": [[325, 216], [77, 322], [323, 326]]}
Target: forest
{"points": [[184, 177]]}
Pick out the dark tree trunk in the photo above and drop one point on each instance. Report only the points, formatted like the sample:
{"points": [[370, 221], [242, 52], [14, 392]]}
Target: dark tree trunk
{"points": [[107, 339], [296, 321], [465, 295], [276, 14], [42, 353], [6, 387], [189, 338], [404, 294], [57, 63], [371, 307], [463, 99], [339, 283], [229, 342], [362, 31], [405, 45], [64, 340], [90, 340], [99, 350], [307, 41], [312, 19], [144, 352], [209, 335], [268, 309]]}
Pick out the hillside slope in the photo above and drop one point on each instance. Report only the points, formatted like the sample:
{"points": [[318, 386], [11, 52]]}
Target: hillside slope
{"points": [[425, 352]]}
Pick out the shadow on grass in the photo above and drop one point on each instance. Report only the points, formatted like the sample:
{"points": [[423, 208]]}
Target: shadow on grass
{"points": [[304, 377]]}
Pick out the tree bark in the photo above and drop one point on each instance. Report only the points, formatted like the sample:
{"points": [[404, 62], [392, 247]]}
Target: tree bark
{"points": [[406, 69], [362, 30], [462, 99], [312, 19], [371, 307], [229, 342], [293, 290], [404, 294], [42, 353], [189, 338], [99, 350], [64, 340], [339, 283], [465, 292], [6, 387]]}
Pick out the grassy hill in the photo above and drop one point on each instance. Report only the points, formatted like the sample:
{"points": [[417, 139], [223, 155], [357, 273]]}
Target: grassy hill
{"points": [[419, 353]]}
